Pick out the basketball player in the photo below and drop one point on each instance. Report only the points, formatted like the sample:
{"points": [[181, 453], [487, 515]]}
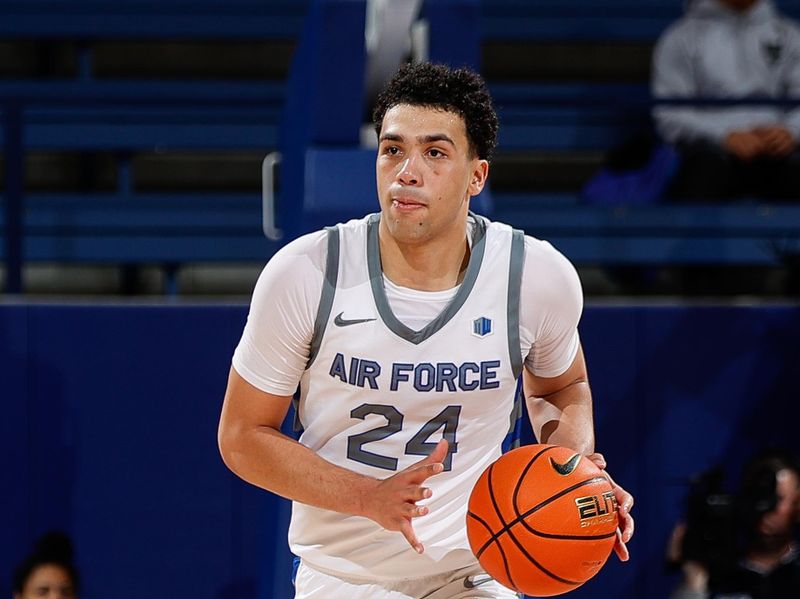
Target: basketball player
{"points": [[406, 332]]}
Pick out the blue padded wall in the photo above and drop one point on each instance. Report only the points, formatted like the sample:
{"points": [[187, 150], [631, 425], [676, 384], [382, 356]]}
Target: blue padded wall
{"points": [[454, 32], [324, 107], [111, 435], [324, 98], [109, 418]]}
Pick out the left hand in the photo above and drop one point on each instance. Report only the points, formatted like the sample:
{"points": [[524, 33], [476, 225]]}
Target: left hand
{"points": [[624, 506]]}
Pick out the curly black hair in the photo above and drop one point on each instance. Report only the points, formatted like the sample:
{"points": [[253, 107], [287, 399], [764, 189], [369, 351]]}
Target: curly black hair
{"points": [[460, 91], [52, 548]]}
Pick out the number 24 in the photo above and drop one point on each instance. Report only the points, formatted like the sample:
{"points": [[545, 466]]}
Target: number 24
{"points": [[417, 445]]}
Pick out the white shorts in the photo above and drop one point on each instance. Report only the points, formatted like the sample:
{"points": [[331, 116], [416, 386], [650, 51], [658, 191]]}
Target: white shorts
{"points": [[467, 583]]}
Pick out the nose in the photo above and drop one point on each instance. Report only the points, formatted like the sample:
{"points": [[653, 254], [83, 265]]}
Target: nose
{"points": [[409, 172]]}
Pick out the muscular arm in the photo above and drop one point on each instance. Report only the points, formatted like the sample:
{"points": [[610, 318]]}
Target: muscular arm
{"points": [[254, 448], [560, 408]]}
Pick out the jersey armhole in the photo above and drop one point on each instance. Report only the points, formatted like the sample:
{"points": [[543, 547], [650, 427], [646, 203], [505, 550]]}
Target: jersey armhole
{"points": [[327, 294], [516, 265]]}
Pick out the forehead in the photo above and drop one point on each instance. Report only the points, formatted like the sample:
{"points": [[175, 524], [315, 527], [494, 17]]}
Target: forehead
{"points": [[410, 120], [52, 574]]}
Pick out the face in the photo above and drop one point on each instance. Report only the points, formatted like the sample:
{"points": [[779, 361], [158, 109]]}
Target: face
{"points": [[779, 521], [425, 174], [49, 581]]}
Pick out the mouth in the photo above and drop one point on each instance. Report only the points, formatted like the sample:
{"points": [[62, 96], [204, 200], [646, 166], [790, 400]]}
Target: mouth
{"points": [[406, 204]]}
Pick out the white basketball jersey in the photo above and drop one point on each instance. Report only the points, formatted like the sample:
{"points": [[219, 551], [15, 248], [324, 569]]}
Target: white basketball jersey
{"points": [[377, 397]]}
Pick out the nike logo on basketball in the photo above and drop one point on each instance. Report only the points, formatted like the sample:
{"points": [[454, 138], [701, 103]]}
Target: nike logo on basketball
{"points": [[344, 322], [470, 582], [567, 467]]}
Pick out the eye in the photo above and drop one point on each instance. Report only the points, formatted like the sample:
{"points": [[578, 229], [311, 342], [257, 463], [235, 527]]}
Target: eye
{"points": [[435, 153], [391, 150]]}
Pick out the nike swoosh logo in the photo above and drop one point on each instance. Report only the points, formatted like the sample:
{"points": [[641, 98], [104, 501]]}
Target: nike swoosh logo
{"points": [[568, 466], [344, 322], [470, 582]]}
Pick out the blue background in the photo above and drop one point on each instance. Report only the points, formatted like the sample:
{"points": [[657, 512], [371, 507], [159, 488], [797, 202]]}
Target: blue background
{"points": [[109, 432]]}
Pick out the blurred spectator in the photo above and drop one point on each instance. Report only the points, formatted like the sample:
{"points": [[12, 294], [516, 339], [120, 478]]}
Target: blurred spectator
{"points": [[743, 546], [728, 49], [49, 571]]}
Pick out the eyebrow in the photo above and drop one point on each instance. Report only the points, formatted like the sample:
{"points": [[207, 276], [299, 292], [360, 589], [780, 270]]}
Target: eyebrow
{"points": [[425, 139]]}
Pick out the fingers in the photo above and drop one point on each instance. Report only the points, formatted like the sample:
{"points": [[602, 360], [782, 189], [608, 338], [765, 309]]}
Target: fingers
{"points": [[626, 527], [438, 454], [414, 511], [624, 499], [403, 490], [776, 140], [744, 144], [620, 549], [783, 146], [625, 502], [416, 493], [423, 493], [408, 532], [626, 524], [419, 473], [431, 464], [598, 460]]}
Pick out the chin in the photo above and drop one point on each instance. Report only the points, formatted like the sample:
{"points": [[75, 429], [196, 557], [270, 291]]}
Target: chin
{"points": [[408, 230]]}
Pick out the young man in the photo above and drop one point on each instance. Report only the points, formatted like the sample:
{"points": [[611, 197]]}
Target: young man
{"points": [[406, 332]]}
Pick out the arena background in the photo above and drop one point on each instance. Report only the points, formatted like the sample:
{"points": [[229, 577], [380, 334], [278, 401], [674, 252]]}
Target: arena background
{"points": [[134, 135]]}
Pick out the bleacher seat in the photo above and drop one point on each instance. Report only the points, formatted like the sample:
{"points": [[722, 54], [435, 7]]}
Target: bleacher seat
{"points": [[87, 113], [138, 19], [125, 116]]}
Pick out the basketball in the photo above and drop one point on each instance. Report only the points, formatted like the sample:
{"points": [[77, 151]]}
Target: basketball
{"points": [[542, 520]]}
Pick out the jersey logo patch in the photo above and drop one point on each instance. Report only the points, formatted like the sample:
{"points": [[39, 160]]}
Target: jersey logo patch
{"points": [[482, 326], [345, 322]]}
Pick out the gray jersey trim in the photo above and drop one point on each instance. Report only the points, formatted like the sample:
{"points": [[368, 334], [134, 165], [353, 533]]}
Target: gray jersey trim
{"points": [[379, 293], [328, 292], [517, 262]]}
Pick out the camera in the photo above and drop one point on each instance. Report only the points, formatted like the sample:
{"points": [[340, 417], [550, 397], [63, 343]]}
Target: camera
{"points": [[712, 531], [720, 524]]}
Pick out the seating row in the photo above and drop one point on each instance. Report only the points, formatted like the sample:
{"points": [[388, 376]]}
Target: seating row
{"points": [[257, 19], [129, 116]]}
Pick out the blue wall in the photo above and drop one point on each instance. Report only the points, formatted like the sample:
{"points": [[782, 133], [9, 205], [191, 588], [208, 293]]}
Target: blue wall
{"points": [[109, 431]]}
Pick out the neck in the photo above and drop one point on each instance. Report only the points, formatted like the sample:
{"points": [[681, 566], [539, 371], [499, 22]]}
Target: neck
{"points": [[431, 265]]}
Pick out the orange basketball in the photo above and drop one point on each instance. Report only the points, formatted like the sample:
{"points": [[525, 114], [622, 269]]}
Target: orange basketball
{"points": [[542, 520]]}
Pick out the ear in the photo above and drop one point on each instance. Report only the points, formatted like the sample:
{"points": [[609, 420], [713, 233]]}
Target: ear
{"points": [[480, 172]]}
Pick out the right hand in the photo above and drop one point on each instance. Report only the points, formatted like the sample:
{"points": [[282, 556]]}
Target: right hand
{"points": [[624, 507], [777, 140], [393, 502], [745, 145]]}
